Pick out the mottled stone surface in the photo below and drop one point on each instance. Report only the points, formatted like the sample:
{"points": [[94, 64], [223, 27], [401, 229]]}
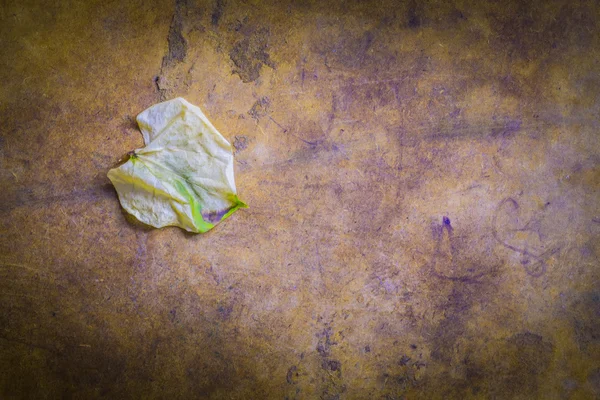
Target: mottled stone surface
{"points": [[423, 181]]}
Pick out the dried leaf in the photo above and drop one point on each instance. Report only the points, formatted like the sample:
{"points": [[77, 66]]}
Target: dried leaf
{"points": [[184, 175]]}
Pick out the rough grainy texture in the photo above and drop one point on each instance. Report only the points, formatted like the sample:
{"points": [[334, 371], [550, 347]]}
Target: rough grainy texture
{"points": [[423, 181]]}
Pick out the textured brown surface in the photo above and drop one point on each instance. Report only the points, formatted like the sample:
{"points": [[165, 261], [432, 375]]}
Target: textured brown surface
{"points": [[423, 182]]}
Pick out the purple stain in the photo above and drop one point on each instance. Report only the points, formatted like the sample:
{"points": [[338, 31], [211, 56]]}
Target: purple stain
{"points": [[214, 216], [446, 221], [512, 126]]}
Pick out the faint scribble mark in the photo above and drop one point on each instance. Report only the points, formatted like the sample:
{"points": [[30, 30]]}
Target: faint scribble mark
{"points": [[533, 263], [439, 233], [261, 109]]}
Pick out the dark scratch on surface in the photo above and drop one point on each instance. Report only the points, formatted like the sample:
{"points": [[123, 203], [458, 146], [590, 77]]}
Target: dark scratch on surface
{"points": [[177, 46], [413, 16], [30, 345], [319, 266], [292, 375], [25, 198], [141, 254], [177, 43], [217, 12], [250, 54], [278, 124]]}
